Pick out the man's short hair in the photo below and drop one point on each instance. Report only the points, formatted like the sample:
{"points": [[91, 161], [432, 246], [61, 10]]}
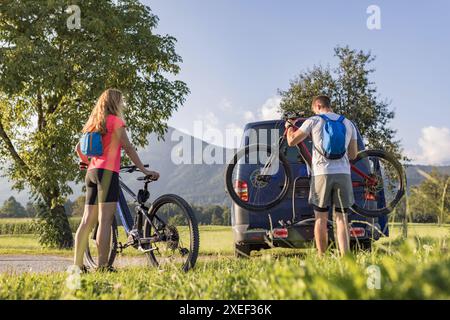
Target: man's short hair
{"points": [[323, 101]]}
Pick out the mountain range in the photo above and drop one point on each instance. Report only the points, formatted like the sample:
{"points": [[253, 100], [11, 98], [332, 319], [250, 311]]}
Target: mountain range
{"points": [[198, 183]]}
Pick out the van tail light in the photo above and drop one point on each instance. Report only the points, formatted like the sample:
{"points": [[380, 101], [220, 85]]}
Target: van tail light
{"points": [[241, 189], [280, 233], [357, 232], [370, 196]]}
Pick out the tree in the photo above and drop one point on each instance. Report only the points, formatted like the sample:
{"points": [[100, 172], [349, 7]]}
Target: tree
{"points": [[216, 215], [30, 208], [12, 208], [430, 200], [352, 94], [226, 216], [78, 206], [68, 207], [50, 78]]}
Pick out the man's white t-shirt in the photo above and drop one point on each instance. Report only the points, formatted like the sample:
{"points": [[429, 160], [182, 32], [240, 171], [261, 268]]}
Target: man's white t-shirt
{"points": [[320, 164]]}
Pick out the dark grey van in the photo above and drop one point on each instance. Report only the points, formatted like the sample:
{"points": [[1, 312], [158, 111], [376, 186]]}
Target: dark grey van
{"points": [[290, 224]]}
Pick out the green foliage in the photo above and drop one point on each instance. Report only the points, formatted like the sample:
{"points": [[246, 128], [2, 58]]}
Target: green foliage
{"points": [[12, 208], [78, 206], [53, 227], [31, 209], [205, 214], [414, 270], [352, 94], [23, 226], [50, 78], [430, 200], [213, 215]]}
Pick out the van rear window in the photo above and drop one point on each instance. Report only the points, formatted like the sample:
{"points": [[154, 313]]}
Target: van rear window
{"points": [[269, 134]]}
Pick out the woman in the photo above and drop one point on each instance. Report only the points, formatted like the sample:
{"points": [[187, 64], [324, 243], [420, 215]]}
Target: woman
{"points": [[102, 176]]}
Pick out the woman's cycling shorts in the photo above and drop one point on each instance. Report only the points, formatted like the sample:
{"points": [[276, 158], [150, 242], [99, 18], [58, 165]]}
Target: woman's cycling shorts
{"points": [[102, 186]]}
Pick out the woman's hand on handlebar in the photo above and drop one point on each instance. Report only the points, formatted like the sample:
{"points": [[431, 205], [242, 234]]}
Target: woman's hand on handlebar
{"points": [[152, 174], [83, 165]]}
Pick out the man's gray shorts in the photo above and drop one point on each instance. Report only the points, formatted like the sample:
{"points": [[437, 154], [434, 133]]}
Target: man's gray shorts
{"points": [[331, 189]]}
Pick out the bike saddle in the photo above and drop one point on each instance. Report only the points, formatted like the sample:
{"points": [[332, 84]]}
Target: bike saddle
{"points": [[293, 115]]}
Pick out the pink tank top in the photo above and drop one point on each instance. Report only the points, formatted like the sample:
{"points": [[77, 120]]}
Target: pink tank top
{"points": [[110, 160]]}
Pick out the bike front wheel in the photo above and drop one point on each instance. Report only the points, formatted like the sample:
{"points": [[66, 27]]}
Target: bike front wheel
{"points": [[258, 177], [379, 183], [173, 228]]}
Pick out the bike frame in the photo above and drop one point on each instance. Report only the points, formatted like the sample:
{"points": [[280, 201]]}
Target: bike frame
{"points": [[128, 222], [304, 152], [122, 207]]}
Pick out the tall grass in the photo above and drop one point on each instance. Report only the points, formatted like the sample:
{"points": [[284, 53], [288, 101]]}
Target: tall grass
{"points": [[412, 270]]}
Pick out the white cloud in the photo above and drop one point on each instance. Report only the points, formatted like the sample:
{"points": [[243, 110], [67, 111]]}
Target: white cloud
{"points": [[227, 125], [225, 105], [210, 120], [235, 129], [270, 109], [249, 116], [435, 147], [233, 135]]}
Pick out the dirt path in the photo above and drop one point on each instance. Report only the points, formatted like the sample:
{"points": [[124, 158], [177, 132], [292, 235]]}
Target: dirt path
{"points": [[49, 263]]}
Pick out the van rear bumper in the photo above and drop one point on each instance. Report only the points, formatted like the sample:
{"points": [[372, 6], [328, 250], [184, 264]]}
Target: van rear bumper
{"points": [[298, 235]]}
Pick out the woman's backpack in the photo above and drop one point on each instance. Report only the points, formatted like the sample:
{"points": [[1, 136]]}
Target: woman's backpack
{"points": [[91, 144]]}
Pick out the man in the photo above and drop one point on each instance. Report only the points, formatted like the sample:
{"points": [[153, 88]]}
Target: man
{"points": [[331, 183]]}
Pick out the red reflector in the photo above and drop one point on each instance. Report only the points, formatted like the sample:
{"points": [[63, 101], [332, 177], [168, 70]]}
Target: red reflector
{"points": [[241, 189], [357, 232], [280, 233], [369, 196]]}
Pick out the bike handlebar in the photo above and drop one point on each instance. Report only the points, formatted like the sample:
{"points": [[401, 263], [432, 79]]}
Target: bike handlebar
{"points": [[293, 115], [131, 169]]}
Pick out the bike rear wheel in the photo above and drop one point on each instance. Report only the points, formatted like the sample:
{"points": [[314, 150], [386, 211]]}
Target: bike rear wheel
{"points": [[91, 253], [173, 220], [258, 177], [383, 185]]}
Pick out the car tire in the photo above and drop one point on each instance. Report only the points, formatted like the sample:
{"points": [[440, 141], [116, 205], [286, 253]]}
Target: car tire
{"points": [[242, 251]]}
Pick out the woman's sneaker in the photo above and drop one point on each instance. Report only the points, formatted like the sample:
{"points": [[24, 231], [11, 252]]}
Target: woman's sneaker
{"points": [[84, 269], [74, 269]]}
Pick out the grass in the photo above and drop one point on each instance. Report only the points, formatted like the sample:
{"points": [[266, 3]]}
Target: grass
{"points": [[422, 230], [416, 268], [214, 240], [410, 271]]}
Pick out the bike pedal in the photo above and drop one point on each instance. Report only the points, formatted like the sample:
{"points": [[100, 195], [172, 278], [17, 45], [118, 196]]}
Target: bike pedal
{"points": [[145, 250]]}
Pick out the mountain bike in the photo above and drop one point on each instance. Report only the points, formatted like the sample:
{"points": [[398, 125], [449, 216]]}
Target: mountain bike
{"points": [[266, 180], [166, 231]]}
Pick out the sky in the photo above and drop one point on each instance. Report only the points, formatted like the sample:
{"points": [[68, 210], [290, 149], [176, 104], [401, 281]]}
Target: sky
{"points": [[238, 53]]}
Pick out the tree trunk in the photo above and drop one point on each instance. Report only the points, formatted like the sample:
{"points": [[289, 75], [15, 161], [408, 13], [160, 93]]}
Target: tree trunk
{"points": [[65, 240], [54, 227]]}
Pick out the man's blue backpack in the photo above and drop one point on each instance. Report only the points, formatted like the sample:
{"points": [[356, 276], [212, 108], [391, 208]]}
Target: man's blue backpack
{"points": [[333, 138], [91, 144]]}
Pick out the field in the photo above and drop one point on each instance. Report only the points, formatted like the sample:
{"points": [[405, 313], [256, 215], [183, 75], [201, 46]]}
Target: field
{"points": [[417, 268]]}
